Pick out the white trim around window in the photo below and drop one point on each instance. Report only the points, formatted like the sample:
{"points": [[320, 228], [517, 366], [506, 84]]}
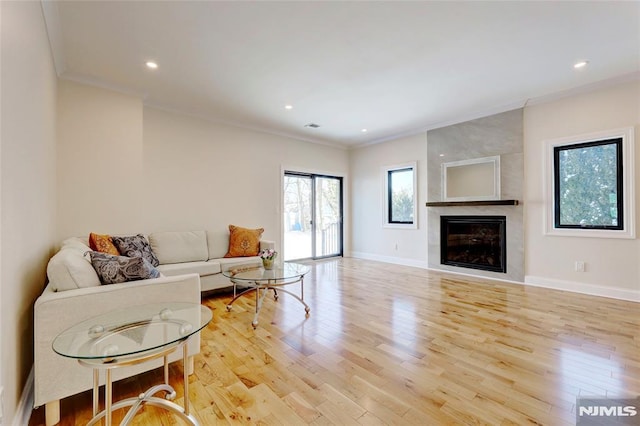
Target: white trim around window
{"points": [[628, 185], [386, 220]]}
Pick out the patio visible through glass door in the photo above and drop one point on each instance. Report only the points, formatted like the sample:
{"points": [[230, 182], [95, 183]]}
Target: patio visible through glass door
{"points": [[312, 216]]}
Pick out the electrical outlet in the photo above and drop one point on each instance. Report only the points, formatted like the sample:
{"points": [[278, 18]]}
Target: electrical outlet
{"points": [[580, 266]]}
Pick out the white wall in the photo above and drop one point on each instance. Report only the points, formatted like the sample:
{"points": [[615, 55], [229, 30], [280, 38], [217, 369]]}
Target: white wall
{"points": [[611, 264], [370, 239], [128, 168], [205, 175], [27, 190], [100, 171]]}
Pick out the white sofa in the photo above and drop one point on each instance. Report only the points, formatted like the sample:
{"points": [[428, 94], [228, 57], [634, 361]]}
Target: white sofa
{"points": [[190, 263], [179, 253], [200, 252]]}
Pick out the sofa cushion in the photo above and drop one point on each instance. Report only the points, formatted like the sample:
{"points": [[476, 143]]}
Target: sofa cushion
{"points": [[178, 247], [227, 264], [136, 246], [200, 268], [119, 269], [78, 243], [217, 243], [243, 241], [102, 243], [69, 269]]}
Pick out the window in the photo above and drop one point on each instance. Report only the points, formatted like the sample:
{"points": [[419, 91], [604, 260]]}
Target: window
{"points": [[588, 185], [592, 181], [400, 196]]}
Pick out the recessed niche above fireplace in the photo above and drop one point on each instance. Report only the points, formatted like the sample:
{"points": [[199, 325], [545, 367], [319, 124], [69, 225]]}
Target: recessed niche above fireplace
{"points": [[476, 242], [475, 179]]}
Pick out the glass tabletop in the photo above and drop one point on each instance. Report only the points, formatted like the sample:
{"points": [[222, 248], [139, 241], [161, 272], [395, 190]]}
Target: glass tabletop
{"points": [[130, 331], [280, 272]]}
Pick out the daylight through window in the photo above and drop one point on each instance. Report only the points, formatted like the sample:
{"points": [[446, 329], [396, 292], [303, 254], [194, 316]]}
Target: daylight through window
{"points": [[588, 185], [400, 196]]}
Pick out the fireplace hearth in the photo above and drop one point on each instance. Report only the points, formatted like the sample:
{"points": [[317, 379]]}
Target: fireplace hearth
{"points": [[476, 242]]}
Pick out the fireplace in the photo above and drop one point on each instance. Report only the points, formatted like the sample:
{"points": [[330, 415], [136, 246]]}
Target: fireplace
{"points": [[476, 242]]}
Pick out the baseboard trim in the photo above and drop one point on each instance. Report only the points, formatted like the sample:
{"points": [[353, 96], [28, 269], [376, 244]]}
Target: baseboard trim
{"points": [[390, 259], [578, 287], [25, 405], [571, 286]]}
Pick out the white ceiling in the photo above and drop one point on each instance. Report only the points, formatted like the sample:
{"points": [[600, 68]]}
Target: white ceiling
{"points": [[394, 68]]}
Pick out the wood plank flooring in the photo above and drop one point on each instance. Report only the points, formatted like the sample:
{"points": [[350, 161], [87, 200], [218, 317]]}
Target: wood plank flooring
{"points": [[395, 345]]}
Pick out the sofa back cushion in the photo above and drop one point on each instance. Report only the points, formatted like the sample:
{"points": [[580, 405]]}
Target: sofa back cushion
{"points": [[70, 269], [78, 243], [218, 243], [178, 247]]}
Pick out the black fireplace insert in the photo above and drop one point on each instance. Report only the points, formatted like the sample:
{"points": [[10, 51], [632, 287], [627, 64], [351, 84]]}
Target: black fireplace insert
{"points": [[477, 242]]}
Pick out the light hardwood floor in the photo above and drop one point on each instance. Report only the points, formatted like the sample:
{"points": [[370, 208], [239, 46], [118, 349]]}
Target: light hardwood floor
{"points": [[388, 344]]}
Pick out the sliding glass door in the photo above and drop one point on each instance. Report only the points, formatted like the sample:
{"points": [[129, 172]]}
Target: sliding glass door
{"points": [[312, 216]]}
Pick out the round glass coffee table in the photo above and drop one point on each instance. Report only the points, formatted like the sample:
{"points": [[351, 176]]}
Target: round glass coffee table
{"points": [[130, 336], [262, 280]]}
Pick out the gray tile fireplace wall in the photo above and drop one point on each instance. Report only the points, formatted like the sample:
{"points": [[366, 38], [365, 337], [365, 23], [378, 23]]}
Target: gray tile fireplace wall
{"points": [[500, 134]]}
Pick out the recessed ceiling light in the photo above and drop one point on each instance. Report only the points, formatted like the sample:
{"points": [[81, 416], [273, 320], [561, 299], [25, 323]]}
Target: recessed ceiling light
{"points": [[288, 107], [580, 64], [364, 130], [441, 155], [151, 64]]}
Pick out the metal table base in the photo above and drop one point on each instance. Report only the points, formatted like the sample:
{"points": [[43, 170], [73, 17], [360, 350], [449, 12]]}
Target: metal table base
{"points": [[262, 288], [136, 403]]}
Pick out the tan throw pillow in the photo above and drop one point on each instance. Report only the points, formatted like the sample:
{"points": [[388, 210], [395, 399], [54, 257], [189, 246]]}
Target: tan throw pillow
{"points": [[103, 244], [243, 242]]}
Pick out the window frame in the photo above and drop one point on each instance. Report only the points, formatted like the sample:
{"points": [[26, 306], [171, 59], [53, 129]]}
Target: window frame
{"points": [[387, 173], [625, 182]]}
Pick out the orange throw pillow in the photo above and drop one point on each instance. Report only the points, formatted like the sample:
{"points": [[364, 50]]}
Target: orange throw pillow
{"points": [[103, 244], [244, 242]]}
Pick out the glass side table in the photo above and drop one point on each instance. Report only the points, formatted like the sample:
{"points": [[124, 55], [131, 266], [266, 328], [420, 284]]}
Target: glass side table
{"points": [[131, 336], [262, 280]]}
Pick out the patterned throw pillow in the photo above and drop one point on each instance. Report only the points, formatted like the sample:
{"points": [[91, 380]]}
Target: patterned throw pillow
{"points": [[136, 246], [119, 269], [102, 243], [243, 242]]}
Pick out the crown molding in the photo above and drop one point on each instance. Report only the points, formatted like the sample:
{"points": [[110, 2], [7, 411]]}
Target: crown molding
{"points": [[523, 103], [231, 123], [96, 82], [51, 17], [101, 84], [587, 88], [485, 112]]}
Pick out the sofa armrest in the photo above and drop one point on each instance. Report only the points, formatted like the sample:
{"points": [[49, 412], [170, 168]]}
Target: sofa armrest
{"points": [[57, 377], [266, 245]]}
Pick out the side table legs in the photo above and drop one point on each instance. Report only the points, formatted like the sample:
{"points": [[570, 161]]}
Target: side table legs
{"points": [[144, 398]]}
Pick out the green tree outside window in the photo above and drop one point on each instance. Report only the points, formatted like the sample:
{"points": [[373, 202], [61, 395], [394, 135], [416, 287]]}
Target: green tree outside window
{"points": [[588, 185]]}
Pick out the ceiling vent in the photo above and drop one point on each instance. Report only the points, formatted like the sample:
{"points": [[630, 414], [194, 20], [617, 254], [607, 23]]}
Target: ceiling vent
{"points": [[312, 125]]}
